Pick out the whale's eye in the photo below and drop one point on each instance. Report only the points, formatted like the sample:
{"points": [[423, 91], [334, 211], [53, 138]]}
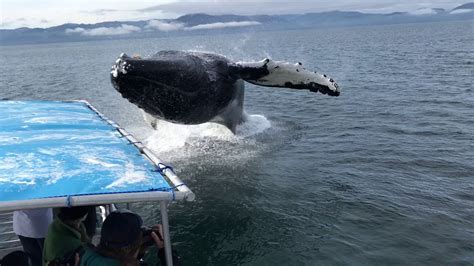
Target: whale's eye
{"points": [[331, 80]]}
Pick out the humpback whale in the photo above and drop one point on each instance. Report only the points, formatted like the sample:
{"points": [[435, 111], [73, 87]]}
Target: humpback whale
{"points": [[194, 87]]}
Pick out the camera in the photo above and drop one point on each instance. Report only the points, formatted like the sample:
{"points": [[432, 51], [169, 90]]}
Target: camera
{"points": [[147, 239]]}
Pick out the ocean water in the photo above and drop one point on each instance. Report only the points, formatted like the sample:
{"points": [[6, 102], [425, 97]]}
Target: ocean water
{"points": [[383, 174]]}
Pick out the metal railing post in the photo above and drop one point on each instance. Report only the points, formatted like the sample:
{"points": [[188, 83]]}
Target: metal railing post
{"points": [[166, 233]]}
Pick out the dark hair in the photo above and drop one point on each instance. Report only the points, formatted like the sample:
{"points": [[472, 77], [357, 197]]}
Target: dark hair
{"points": [[120, 229], [73, 213], [121, 237], [15, 258]]}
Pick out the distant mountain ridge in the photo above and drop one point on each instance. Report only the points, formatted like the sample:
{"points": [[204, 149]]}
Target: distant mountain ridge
{"points": [[465, 6], [201, 23]]}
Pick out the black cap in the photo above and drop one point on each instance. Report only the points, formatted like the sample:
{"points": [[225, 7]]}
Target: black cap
{"points": [[73, 213], [120, 229]]}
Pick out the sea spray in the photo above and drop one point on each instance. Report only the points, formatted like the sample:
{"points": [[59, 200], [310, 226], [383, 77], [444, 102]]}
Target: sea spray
{"points": [[186, 141]]}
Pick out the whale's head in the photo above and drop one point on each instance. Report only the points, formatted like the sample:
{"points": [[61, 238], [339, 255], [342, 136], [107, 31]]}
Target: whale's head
{"points": [[161, 86], [123, 76], [180, 87], [136, 79]]}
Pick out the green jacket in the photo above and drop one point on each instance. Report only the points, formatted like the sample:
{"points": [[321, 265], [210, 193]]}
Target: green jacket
{"points": [[92, 258], [61, 240]]}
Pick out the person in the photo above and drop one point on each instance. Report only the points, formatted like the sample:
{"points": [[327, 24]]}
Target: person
{"points": [[91, 222], [66, 236], [123, 242], [31, 227], [15, 258]]}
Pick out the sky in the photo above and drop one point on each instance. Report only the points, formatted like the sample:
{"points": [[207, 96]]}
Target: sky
{"points": [[47, 13]]}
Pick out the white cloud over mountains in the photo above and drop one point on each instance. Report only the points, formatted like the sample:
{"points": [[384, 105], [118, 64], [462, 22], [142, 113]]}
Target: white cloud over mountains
{"points": [[423, 11], [156, 25], [163, 26], [105, 31], [58, 12], [461, 11], [221, 25]]}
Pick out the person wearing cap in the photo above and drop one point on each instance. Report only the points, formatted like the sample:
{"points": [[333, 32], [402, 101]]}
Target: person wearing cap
{"points": [[122, 240], [65, 235]]}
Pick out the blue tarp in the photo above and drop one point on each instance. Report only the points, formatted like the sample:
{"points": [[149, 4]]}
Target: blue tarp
{"points": [[57, 149]]}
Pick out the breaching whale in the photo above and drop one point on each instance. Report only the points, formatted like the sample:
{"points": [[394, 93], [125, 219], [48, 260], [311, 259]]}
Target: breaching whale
{"points": [[194, 87]]}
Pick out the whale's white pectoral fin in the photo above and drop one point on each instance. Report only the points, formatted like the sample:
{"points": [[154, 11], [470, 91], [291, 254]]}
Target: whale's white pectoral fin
{"points": [[283, 74]]}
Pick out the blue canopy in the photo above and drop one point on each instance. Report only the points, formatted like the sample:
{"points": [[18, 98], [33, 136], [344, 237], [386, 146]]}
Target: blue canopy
{"points": [[54, 149]]}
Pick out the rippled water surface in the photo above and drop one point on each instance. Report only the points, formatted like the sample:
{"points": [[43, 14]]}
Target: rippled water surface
{"points": [[383, 174]]}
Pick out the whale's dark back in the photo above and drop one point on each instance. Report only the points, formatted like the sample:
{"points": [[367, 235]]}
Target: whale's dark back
{"points": [[189, 88]]}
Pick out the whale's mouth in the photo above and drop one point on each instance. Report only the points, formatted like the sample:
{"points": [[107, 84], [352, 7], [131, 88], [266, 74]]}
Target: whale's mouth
{"points": [[331, 89], [326, 90]]}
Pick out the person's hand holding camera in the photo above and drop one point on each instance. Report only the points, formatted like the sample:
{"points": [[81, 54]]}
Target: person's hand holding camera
{"points": [[157, 235]]}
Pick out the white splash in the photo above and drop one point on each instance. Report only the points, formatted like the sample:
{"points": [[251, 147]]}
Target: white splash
{"points": [[95, 161], [18, 182], [51, 152], [8, 163], [28, 169], [255, 124], [169, 136], [38, 120], [131, 176]]}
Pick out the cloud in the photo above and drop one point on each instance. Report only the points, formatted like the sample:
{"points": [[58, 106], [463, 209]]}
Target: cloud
{"points": [[102, 11], [23, 22], [263, 7], [105, 31], [76, 30], [423, 11], [163, 26], [274, 7], [75, 11], [156, 25], [461, 11], [220, 25]]}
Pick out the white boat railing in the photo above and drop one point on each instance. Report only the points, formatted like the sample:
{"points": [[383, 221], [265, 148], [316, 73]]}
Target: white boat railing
{"points": [[8, 240]]}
